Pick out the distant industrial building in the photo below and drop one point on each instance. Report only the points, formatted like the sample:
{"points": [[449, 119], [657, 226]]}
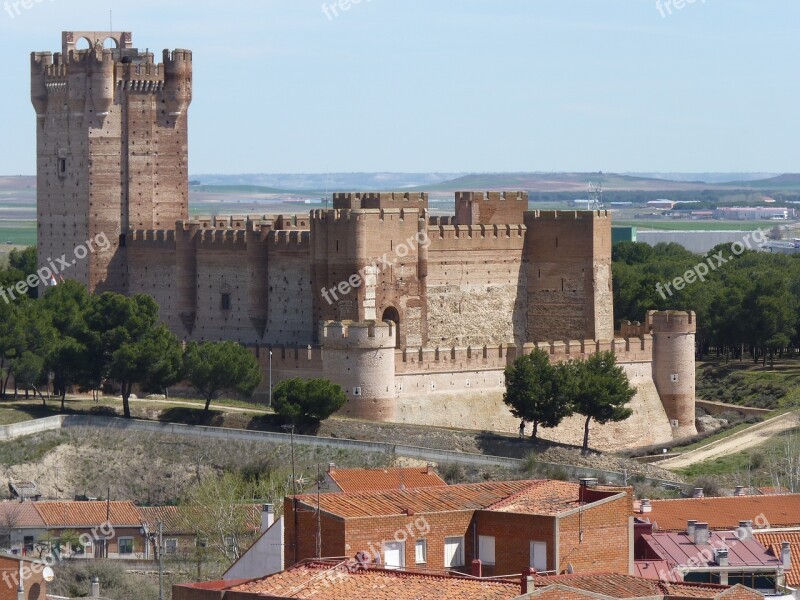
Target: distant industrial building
{"points": [[755, 213]]}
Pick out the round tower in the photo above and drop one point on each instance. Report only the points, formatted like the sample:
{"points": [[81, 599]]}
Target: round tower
{"points": [[674, 366], [359, 356]]}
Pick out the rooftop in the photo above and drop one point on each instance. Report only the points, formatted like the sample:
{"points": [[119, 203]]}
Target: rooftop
{"points": [[679, 549], [606, 585], [772, 541], [540, 497], [726, 513], [88, 514], [21, 515], [366, 480], [183, 519], [343, 581]]}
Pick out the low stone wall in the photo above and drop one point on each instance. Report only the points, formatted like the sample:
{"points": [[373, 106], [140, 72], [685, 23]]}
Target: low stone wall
{"points": [[716, 408]]}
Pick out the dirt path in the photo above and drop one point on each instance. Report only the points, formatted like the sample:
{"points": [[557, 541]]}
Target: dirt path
{"points": [[748, 438]]}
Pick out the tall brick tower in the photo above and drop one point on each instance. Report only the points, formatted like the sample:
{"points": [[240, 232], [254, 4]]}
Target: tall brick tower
{"points": [[112, 149]]}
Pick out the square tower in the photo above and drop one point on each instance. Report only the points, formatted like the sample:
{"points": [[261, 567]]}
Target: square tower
{"points": [[112, 149]]}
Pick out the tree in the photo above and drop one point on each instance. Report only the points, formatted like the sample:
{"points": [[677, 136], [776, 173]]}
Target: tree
{"points": [[28, 371], [598, 389], [312, 399], [152, 360], [532, 391], [214, 368]]}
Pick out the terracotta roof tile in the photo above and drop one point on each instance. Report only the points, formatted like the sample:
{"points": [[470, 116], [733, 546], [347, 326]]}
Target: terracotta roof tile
{"points": [[329, 580], [182, 519], [364, 480], [627, 586], [773, 540], [725, 513], [542, 498], [20, 514], [88, 514], [471, 496]]}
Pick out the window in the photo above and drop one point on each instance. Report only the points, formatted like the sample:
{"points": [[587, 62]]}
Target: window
{"points": [[201, 542], [394, 555], [453, 552], [170, 546], [126, 545], [226, 301], [486, 549], [539, 556], [62, 167], [421, 552]]}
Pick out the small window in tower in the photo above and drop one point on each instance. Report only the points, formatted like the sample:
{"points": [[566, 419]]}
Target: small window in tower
{"points": [[121, 240], [226, 301], [62, 167]]}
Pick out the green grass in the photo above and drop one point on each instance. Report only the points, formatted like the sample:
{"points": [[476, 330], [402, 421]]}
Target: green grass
{"points": [[30, 448], [22, 233], [745, 383], [753, 461], [666, 225]]}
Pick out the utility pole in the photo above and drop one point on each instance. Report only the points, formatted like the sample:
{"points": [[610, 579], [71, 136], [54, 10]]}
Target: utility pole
{"points": [[270, 378], [160, 560], [319, 518]]}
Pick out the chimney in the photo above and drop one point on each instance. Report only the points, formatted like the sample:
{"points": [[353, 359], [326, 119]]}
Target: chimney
{"points": [[645, 506], [429, 468], [745, 531], [95, 587], [527, 580], [331, 467], [698, 493], [477, 568], [786, 555], [722, 557], [588, 482], [267, 516], [739, 491], [701, 534], [691, 527]]}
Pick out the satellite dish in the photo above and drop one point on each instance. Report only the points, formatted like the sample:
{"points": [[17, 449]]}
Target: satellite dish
{"points": [[47, 574]]}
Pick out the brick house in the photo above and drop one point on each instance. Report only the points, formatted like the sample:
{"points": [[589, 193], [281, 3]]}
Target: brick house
{"points": [[508, 526], [33, 584]]}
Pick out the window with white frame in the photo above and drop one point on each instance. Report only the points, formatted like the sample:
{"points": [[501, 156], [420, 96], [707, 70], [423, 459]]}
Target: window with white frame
{"points": [[421, 552], [126, 545], [453, 552], [394, 555], [539, 556], [486, 549]]}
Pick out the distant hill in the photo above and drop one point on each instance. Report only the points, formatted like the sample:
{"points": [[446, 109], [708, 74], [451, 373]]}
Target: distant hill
{"points": [[787, 181]]}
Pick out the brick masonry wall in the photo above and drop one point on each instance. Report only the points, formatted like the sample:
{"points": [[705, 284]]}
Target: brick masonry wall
{"points": [[35, 585], [597, 539]]}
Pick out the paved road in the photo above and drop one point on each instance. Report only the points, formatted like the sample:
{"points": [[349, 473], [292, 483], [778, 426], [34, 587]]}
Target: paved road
{"points": [[748, 438]]}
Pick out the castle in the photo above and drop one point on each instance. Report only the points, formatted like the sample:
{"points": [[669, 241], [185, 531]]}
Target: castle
{"points": [[415, 316]]}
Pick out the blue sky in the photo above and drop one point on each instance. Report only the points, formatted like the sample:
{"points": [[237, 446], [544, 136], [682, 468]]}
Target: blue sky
{"points": [[452, 85]]}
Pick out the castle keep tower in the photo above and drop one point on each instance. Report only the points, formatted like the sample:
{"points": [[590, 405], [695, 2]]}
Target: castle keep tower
{"points": [[111, 128], [673, 365]]}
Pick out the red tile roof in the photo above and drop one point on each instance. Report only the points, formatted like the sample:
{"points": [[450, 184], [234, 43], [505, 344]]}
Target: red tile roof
{"points": [[367, 480], [331, 580], [653, 569], [773, 539], [183, 519], [628, 586], [541, 497], [88, 514], [772, 491], [20, 515], [725, 513], [470, 496]]}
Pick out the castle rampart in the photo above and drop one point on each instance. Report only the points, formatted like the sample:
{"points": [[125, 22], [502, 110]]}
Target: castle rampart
{"points": [[490, 208]]}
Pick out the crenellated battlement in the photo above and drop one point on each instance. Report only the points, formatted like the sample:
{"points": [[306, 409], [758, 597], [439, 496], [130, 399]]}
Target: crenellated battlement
{"points": [[492, 197], [678, 321], [293, 238], [353, 335], [569, 215], [468, 232], [440, 221], [157, 236], [431, 360], [227, 237], [353, 200], [627, 350]]}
